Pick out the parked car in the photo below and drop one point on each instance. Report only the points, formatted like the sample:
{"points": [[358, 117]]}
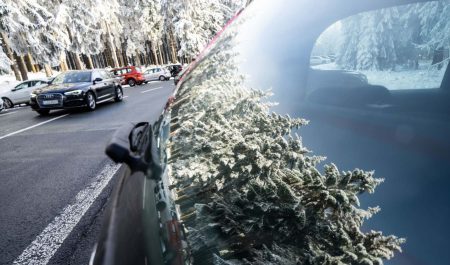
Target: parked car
{"points": [[130, 75], [157, 73], [20, 94], [400, 134], [177, 78], [1, 104], [74, 89], [174, 69]]}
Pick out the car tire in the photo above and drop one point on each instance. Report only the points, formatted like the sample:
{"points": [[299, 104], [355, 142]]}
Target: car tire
{"points": [[7, 103], [131, 82], [43, 112], [91, 104], [162, 78], [119, 94]]}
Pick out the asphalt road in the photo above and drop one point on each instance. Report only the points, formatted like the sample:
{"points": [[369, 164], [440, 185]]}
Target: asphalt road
{"points": [[46, 163]]}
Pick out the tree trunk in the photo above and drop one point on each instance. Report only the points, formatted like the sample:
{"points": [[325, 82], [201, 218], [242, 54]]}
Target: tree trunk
{"points": [[120, 58], [173, 47], [89, 63], [22, 66], [48, 70], [10, 55], [63, 62], [137, 59], [155, 56], [30, 63], [78, 64], [160, 59]]}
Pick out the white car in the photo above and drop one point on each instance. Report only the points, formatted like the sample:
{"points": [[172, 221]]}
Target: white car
{"points": [[157, 73], [21, 92], [1, 105]]}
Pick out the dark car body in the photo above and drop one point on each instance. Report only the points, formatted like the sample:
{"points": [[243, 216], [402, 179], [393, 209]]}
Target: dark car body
{"points": [[174, 69], [403, 134], [102, 84], [130, 75]]}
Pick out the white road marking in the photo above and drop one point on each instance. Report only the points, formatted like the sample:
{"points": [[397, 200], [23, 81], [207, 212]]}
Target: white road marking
{"points": [[156, 88], [33, 126], [7, 113], [42, 249]]}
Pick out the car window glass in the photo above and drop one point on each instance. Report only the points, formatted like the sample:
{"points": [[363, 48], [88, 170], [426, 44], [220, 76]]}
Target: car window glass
{"points": [[22, 86], [105, 75], [96, 75], [397, 48], [128, 70]]}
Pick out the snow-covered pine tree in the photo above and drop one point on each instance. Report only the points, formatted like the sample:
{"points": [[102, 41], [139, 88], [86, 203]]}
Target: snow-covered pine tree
{"points": [[53, 38], [369, 40], [83, 26], [347, 55], [5, 63], [249, 191], [144, 22], [196, 22], [21, 23], [112, 28]]}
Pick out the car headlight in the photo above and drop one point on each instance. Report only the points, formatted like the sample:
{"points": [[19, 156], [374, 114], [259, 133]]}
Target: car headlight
{"points": [[74, 93], [32, 95]]}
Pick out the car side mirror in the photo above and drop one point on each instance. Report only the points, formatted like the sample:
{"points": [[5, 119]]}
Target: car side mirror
{"points": [[134, 145], [96, 80]]}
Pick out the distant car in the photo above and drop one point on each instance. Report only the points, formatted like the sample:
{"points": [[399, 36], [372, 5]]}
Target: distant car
{"points": [[157, 73], [131, 75], [73, 89], [174, 69], [20, 94], [179, 75]]}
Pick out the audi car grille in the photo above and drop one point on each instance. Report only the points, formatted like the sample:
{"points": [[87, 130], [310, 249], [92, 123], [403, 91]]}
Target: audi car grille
{"points": [[57, 98]]}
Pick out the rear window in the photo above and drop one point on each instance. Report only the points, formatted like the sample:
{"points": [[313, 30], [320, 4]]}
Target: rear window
{"points": [[404, 47]]}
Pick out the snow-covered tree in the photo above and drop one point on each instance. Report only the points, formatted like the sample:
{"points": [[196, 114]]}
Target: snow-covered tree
{"points": [[196, 22], [144, 22], [112, 28], [249, 191], [5, 63], [82, 22]]}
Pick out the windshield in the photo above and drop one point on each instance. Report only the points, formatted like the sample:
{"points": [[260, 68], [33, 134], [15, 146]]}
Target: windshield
{"points": [[72, 77]]}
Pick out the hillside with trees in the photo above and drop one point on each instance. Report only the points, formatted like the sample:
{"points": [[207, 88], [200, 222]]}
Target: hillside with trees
{"points": [[64, 34]]}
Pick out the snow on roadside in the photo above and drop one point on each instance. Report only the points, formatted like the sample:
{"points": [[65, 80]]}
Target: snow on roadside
{"points": [[424, 77]]}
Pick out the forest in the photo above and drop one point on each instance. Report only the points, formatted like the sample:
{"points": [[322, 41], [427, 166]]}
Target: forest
{"points": [[396, 38], [64, 34]]}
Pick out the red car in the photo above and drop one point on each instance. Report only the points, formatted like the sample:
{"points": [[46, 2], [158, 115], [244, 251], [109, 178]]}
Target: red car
{"points": [[131, 75]]}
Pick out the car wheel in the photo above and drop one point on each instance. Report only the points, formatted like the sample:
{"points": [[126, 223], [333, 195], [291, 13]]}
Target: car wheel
{"points": [[162, 78], [43, 112], [119, 94], [131, 82], [7, 103], [90, 101]]}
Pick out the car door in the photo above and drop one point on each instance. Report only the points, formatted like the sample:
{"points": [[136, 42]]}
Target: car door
{"points": [[155, 74], [100, 87], [18, 93], [109, 82]]}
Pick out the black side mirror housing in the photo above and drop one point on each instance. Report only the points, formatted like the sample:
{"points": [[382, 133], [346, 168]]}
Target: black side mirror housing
{"points": [[134, 145], [96, 80]]}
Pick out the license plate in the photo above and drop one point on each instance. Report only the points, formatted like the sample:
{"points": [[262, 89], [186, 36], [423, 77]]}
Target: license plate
{"points": [[50, 102]]}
